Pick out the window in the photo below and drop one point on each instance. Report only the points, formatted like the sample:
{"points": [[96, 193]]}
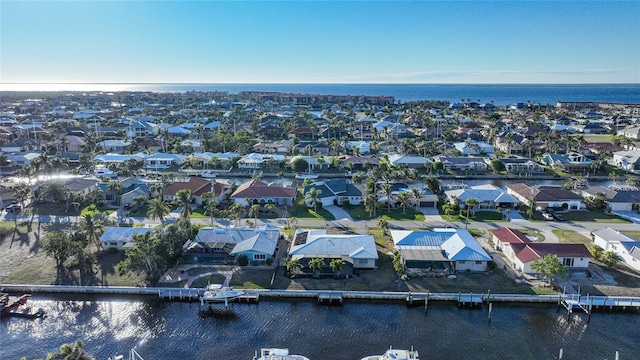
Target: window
{"points": [[461, 262], [113, 244], [478, 262], [259, 257], [363, 261]]}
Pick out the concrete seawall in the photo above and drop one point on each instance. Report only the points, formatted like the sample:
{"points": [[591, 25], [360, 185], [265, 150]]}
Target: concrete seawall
{"points": [[408, 297]]}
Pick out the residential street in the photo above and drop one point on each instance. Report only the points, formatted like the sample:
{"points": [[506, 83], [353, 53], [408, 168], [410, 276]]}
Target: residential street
{"points": [[431, 221]]}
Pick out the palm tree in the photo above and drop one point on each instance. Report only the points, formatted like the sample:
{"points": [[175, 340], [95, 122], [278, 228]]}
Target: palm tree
{"points": [[253, 212], [316, 264], [158, 209], [386, 189], [183, 200], [236, 211], [116, 188], [384, 225], [156, 189], [337, 265], [293, 266], [71, 352], [313, 195], [471, 204], [210, 205], [92, 226], [403, 199], [416, 193]]}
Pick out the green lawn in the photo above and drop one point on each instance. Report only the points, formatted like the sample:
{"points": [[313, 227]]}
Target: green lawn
{"points": [[570, 236], [480, 216], [358, 213], [301, 212], [211, 279], [593, 138], [593, 215], [397, 214]]}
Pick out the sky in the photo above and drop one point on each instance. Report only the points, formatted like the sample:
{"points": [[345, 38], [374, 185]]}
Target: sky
{"points": [[319, 42]]}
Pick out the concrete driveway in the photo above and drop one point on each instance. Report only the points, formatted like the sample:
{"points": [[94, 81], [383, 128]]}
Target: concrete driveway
{"points": [[337, 212]]}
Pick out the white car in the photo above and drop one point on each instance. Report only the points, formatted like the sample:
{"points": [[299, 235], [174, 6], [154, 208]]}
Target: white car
{"points": [[547, 216]]}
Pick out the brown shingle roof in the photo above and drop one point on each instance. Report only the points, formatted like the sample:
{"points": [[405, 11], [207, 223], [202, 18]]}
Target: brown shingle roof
{"points": [[508, 235], [256, 189], [195, 184], [531, 251]]}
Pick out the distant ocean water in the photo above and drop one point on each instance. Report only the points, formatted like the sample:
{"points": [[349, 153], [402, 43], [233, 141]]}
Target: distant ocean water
{"points": [[500, 94]]}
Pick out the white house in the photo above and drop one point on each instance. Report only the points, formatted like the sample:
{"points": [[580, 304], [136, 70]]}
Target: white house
{"points": [[473, 147], [522, 252], [357, 250], [118, 237], [488, 196], [626, 247], [163, 161], [628, 160], [256, 161]]}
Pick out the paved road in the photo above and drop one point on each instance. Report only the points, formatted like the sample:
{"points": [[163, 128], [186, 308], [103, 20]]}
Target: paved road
{"points": [[362, 226]]}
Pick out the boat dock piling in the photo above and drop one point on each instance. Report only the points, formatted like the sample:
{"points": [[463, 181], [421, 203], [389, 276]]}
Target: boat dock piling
{"points": [[180, 294], [330, 298]]}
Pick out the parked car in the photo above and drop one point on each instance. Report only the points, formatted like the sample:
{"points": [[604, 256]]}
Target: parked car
{"points": [[558, 217], [547, 216], [14, 209]]}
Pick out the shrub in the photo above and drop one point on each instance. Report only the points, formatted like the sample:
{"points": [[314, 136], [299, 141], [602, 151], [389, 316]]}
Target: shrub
{"points": [[404, 277], [243, 260], [269, 261]]}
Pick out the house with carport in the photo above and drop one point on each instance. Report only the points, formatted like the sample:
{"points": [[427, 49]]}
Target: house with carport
{"points": [[624, 199], [488, 196], [521, 252], [626, 247]]}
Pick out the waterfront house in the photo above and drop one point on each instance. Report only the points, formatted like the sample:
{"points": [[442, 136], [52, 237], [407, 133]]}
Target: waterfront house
{"points": [[335, 192], [73, 144], [224, 245], [546, 196], [358, 251], [628, 160], [521, 166], [489, 197], [521, 252], [79, 186], [280, 147], [257, 161], [615, 199], [120, 237], [453, 163], [570, 162], [197, 185], [163, 161], [625, 246], [411, 161], [473, 147], [358, 162], [108, 159], [510, 143], [257, 192], [443, 250]]}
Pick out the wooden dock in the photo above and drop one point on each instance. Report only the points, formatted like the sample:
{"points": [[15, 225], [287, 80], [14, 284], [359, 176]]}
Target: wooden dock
{"points": [[180, 294]]}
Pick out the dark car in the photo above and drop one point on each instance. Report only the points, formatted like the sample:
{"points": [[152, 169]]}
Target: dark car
{"points": [[14, 209], [557, 216]]}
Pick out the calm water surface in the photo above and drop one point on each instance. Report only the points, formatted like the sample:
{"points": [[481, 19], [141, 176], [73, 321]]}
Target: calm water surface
{"points": [[110, 326]]}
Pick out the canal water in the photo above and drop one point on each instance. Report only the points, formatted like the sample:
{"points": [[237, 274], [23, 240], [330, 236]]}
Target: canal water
{"points": [[160, 330]]}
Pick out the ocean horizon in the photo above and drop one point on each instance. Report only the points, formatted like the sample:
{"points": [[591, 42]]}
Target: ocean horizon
{"points": [[499, 94]]}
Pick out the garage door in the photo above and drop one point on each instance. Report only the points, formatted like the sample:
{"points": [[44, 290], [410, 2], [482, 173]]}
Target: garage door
{"points": [[427, 204]]}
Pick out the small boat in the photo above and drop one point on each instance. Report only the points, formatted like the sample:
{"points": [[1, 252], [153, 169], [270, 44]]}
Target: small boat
{"points": [[277, 354], [208, 174], [395, 354], [18, 308], [306, 176], [219, 293]]}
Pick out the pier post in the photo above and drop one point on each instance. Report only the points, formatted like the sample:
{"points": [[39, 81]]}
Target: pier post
{"points": [[560, 355], [490, 308], [426, 302], [489, 296]]}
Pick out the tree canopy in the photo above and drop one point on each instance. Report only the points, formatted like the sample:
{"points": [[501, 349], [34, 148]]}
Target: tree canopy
{"points": [[549, 266]]}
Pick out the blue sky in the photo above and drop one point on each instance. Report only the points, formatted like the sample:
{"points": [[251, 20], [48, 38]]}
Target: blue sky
{"points": [[319, 42]]}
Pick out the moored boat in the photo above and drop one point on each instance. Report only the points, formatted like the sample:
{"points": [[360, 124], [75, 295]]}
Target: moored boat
{"points": [[395, 354], [219, 293], [277, 354], [18, 307]]}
